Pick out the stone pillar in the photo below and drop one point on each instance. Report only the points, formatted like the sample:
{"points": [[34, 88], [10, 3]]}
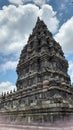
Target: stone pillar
{"points": [[29, 119], [51, 117]]}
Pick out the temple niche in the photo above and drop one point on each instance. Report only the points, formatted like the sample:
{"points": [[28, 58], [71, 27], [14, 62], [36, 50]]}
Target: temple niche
{"points": [[44, 91]]}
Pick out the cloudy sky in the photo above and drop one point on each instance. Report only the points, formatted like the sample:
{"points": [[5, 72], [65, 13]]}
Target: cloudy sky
{"points": [[17, 19]]}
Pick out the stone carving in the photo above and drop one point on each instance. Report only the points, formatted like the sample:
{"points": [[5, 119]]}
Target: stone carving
{"points": [[42, 79]]}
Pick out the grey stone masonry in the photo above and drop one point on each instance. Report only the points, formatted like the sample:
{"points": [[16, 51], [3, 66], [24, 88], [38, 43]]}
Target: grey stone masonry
{"points": [[44, 91]]}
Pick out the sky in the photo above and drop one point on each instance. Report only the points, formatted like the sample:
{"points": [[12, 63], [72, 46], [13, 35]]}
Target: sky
{"points": [[17, 19]]}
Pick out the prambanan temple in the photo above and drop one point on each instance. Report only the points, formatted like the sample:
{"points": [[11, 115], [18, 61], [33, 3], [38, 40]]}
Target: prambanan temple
{"points": [[44, 92]]}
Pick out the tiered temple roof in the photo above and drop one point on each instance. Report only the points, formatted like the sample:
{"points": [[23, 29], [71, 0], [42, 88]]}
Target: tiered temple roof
{"points": [[42, 62]]}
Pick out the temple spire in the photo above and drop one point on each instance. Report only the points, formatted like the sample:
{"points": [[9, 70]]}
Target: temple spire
{"points": [[38, 19], [41, 28]]}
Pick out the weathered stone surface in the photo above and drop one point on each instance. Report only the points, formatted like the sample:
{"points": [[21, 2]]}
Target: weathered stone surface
{"points": [[43, 84]]}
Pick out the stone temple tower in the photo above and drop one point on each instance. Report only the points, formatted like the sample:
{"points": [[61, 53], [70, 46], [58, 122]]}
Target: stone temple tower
{"points": [[42, 75], [42, 63], [44, 91]]}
